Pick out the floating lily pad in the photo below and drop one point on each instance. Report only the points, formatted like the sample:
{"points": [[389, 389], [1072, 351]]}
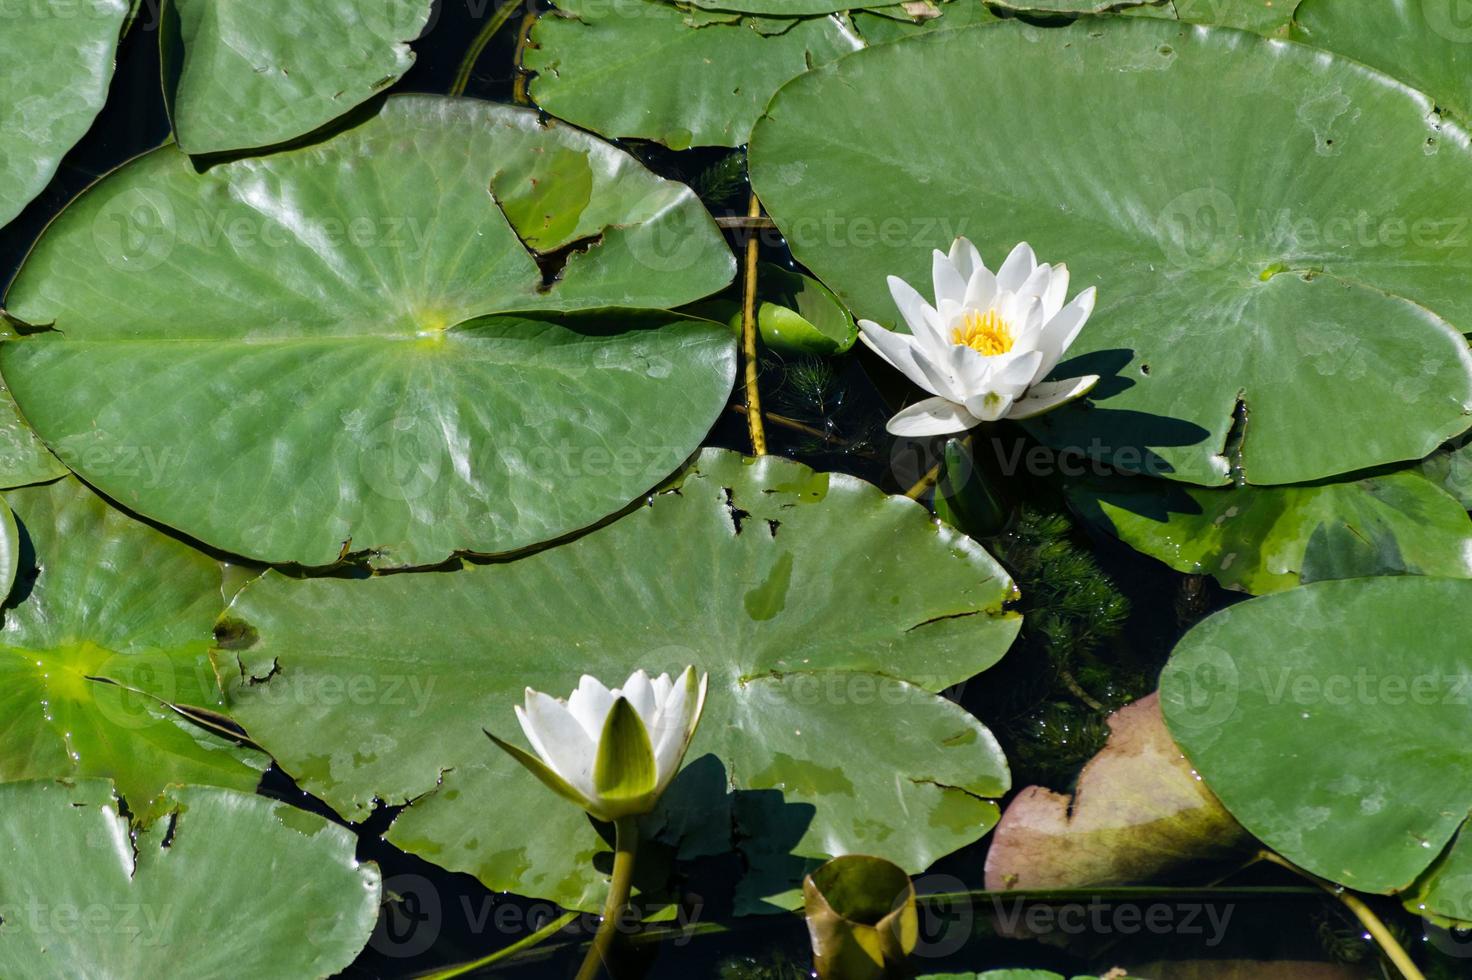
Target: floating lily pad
{"points": [[330, 330], [108, 624], [58, 57], [699, 84], [826, 613], [260, 73], [1138, 816], [1325, 297], [1265, 539], [1422, 42], [1327, 719], [226, 884]]}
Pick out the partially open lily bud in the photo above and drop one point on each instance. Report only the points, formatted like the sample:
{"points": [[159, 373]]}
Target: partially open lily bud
{"points": [[612, 752], [861, 918]]}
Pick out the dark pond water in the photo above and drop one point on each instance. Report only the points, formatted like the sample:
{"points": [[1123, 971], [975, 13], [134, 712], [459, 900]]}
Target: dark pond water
{"points": [[441, 918]]}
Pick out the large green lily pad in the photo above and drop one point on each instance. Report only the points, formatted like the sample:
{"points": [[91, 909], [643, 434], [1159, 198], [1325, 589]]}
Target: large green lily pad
{"points": [[226, 884], [261, 72], [699, 84], [1421, 42], [1327, 719], [1266, 539], [1325, 297], [331, 331], [826, 613], [58, 57], [108, 624]]}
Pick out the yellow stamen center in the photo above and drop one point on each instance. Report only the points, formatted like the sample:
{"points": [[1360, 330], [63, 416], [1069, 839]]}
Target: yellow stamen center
{"points": [[986, 333]]}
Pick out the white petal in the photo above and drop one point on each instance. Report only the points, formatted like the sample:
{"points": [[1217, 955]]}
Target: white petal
{"points": [[668, 735], [590, 705], [900, 350], [640, 695], [966, 259], [1057, 291], [989, 406], [662, 687], [922, 318], [687, 700], [949, 284], [1050, 394], [1060, 332], [1038, 283], [1012, 373], [559, 740], [981, 291], [1017, 268], [931, 417]]}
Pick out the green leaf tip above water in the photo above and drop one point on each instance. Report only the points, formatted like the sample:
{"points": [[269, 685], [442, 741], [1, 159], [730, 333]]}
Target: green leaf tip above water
{"points": [[58, 57], [109, 624], [826, 613], [1149, 157], [390, 342], [1325, 720], [221, 884], [261, 73]]}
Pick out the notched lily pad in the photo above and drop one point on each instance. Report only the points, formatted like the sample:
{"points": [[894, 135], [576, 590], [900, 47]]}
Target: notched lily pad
{"points": [[1266, 539], [85, 894], [1139, 816], [1312, 313], [107, 626], [265, 72], [1321, 716], [826, 612], [361, 353]]}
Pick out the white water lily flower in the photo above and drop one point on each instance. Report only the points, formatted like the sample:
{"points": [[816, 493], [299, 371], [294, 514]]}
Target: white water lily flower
{"points": [[985, 347], [612, 752]]}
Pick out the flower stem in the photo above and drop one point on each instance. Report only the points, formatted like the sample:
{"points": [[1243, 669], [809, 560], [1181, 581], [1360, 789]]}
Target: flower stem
{"points": [[478, 46], [461, 969], [1393, 950], [625, 844], [748, 338]]}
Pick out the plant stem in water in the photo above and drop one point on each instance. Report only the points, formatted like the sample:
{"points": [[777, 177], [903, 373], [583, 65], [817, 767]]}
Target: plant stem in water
{"points": [[478, 46], [1393, 950], [626, 843], [748, 339]]}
